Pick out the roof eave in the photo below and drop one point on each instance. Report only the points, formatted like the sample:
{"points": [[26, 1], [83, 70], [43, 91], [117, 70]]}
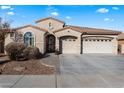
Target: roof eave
{"points": [[30, 26], [49, 18]]}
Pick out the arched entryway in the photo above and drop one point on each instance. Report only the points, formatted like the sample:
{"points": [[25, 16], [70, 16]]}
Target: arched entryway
{"points": [[50, 43]]}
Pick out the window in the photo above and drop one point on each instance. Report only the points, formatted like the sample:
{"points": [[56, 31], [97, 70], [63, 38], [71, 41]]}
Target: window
{"points": [[73, 39], [94, 40], [85, 39], [50, 26], [102, 40], [97, 39], [110, 40], [29, 39], [89, 39], [106, 40]]}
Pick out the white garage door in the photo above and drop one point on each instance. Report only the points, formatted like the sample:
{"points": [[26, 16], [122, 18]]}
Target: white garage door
{"points": [[69, 46], [97, 46]]}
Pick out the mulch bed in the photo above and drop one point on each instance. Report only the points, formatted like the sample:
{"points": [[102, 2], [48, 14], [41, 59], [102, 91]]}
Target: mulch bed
{"points": [[30, 67]]}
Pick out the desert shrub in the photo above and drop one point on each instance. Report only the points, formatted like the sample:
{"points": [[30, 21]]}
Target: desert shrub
{"points": [[57, 52], [15, 50], [32, 53]]}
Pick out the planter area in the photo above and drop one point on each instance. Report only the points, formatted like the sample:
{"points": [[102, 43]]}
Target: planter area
{"points": [[28, 67]]}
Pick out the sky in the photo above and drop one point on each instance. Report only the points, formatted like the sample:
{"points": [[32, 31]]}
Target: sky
{"points": [[94, 16]]}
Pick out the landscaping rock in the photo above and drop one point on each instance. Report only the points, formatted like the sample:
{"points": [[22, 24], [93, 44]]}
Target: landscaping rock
{"points": [[19, 69], [27, 67]]}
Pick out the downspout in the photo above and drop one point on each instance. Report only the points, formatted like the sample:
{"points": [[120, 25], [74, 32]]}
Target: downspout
{"points": [[82, 42]]}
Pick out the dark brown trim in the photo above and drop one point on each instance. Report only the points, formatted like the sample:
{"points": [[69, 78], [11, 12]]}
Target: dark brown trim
{"points": [[67, 36], [102, 33], [60, 45], [82, 42], [98, 36], [120, 39]]}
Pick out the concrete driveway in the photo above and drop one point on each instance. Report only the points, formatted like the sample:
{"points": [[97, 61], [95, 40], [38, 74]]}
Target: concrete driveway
{"points": [[91, 70], [81, 71]]}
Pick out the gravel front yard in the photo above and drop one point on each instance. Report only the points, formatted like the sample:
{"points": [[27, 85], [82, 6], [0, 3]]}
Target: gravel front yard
{"points": [[29, 67]]}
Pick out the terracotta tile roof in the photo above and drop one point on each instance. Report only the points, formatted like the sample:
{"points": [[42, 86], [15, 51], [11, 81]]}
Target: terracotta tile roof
{"points": [[121, 36], [32, 27], [49, 18], [91, 31]]}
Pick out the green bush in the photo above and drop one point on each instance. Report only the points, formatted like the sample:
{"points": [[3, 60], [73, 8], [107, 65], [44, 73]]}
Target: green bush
{"points": [[15, 50]]}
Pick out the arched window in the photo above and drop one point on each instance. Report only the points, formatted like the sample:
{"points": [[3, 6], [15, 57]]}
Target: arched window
{"points": [[29, 39]]}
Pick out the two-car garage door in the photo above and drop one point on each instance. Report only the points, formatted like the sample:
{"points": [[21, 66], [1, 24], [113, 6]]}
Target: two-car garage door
{"points": [[97, 46], [70, 46]]}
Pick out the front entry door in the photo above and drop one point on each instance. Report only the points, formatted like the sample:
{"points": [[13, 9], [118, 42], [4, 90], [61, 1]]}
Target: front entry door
{"points": [[50, 43]]}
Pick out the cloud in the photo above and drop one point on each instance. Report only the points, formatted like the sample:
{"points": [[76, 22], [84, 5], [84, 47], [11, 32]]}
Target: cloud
{"points": [[5, 7], [115, 8], [51, 8], [68, 17], [23, 16], [108, 19], [10, 13], [55, 13], [112, 20], [103, 10], [11, 8]]}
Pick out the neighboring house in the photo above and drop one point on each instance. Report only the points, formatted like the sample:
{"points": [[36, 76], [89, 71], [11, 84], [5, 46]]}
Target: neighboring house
{"points": [[51, 34], [121, 43]]}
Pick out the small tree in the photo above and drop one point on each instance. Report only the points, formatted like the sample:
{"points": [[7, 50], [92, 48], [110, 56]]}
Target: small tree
{"points": [[4, 29]]}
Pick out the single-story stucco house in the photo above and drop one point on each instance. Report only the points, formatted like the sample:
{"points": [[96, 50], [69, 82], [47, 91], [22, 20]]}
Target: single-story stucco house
{"points": [[50, 34]]}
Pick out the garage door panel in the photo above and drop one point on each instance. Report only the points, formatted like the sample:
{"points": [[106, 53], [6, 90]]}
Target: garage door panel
{"points": [[69, 46], [97, 46]]}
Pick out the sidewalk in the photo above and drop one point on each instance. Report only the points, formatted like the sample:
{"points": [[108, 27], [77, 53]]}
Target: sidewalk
{"points": [[27, 81]]}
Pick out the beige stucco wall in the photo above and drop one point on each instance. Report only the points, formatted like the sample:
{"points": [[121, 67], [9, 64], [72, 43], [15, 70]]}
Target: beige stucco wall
{"points": [[121, 44], [122, 48], [8, 39], [55, 24], [69, 32], [38, 34]]}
